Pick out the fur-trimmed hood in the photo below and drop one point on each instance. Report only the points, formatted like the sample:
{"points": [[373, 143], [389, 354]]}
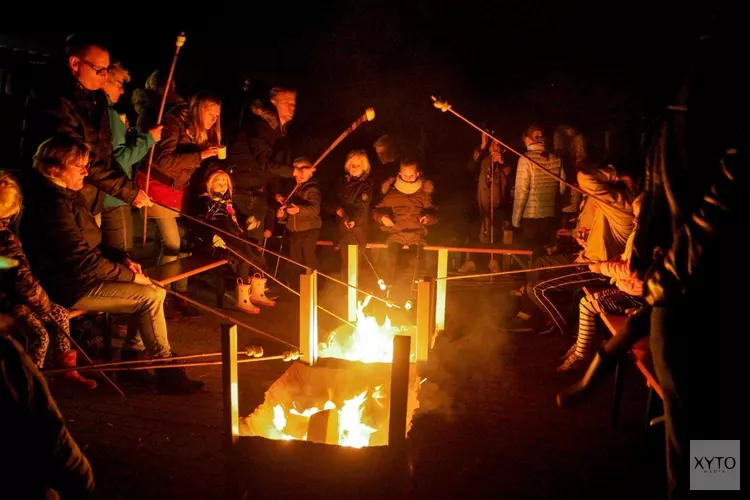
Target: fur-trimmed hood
{"points": [[267, 112]]}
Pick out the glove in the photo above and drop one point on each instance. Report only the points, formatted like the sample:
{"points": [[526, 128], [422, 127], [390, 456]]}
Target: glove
{"points": [[218, 242]]}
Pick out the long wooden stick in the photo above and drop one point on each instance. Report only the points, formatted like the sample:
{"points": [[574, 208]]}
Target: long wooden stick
{"points": [[444, 106], [367, 116], [178, 45], [518, 271], [106, 366]]}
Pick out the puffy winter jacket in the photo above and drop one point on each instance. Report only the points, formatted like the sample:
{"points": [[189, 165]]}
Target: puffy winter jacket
{"points": [[535, 194], [20, 286], [308, 199], [355, 197], [62, 243], [405, 208], [65, 107]]}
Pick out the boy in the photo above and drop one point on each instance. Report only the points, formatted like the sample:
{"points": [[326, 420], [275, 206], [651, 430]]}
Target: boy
{"points": [[302, 214]]}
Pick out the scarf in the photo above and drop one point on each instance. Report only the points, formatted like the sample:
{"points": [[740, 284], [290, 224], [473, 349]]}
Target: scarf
{"points": [[408, 187]]}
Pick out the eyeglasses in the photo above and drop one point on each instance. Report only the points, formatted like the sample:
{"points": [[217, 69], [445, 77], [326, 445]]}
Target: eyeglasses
{"points": [[99, 71]]}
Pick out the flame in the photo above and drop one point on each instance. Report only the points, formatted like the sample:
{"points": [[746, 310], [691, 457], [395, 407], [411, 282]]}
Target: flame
{"points": [[352, 432], [369, 343]]}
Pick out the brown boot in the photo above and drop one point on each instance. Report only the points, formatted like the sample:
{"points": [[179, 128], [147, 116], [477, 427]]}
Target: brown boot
{"points": [[68, 360]]}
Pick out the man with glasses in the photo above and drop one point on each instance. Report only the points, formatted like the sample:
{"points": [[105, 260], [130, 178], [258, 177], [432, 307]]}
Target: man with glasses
{"points": [[74, 104]]}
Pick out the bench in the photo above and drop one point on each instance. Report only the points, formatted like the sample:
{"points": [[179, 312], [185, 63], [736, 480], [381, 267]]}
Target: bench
{"points": [[166, 274], [641, 354]]}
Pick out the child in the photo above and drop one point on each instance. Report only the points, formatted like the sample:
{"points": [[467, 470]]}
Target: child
{"points": [[214, 205], [353, 210], [23, 295], [404, 212], [627, 295], [302, 214]]}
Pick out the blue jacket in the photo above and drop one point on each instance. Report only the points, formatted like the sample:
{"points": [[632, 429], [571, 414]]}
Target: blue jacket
{"points": [[129, 147]]}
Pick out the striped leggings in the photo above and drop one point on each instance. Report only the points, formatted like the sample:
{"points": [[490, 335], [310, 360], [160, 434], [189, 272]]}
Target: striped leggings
{"points": [[609, 301]]}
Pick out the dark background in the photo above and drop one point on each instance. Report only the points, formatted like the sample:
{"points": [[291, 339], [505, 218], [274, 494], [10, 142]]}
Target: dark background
{"points": [[606, 69]]}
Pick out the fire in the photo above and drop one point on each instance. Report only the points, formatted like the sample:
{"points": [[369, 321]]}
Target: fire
{"points": [[351, 431], [369, 343]]}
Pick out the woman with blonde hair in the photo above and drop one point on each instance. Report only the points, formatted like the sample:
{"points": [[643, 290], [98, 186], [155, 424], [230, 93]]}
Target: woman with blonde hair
{"points": [[191, 135], [355, 198], [23, 297]]}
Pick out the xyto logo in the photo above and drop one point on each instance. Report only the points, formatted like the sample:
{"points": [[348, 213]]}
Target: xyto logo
{"points": [[714, 465]]}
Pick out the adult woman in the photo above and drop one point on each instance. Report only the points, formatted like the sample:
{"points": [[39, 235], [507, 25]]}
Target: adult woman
{"points": [[191, 134]]}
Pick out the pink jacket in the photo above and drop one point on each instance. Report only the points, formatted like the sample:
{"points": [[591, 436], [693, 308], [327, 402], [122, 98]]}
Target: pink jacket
{"points": [[619, 270]]}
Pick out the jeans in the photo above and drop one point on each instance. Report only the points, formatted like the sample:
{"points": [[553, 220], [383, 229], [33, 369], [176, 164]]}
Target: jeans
{"points": [[171, 239], [117, 228], [302, 246], [147, 302]]}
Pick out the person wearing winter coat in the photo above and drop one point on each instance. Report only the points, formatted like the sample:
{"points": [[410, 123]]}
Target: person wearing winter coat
{"points": [[301, 212], [354, 197], [147, 101], [494, 178], [627, 294], [23, 296], [40, 457], [129, 148], [72, 103], [63, 245], [191, 135], [404, 212], [260, 158]]}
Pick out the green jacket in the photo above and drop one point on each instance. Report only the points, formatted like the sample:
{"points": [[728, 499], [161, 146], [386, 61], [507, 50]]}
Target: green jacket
{"points": [[129, 147]]}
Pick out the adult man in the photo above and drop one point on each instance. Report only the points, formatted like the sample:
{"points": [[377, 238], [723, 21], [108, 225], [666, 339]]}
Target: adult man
{"points": [[535, 195], [62, 243], [74, 104], [258, 156]]}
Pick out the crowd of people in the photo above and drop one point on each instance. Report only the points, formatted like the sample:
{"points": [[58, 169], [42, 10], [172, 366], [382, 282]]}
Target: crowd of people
{"points": [[83, 167]]}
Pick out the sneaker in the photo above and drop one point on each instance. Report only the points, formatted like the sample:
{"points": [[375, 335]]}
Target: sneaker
{"points": [[572, 362], [547, 327], [569, 353]]}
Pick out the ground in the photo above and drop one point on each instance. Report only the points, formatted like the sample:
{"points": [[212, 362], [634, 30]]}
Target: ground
{"points": [[488, 425]]}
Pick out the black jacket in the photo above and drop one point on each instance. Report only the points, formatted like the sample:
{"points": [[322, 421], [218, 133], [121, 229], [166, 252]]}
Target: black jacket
{"points": [[256, 153], [38, 452], [19, 285], [62, 243], [63, 106], [308, 199], [355, 198]]}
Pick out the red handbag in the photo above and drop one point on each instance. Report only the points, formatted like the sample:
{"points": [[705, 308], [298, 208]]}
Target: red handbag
{"points": [[161, 193]]}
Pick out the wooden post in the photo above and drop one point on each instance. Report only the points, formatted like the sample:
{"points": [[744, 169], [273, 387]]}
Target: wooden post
{"points": [[424, 319], [230, 397], [308, 317], [353, 269], [399, 394], [441, 291]]}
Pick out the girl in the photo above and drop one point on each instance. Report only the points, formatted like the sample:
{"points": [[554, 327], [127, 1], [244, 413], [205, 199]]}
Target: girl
{"points": [[191, 134], [215, 206], [355, 197], [627, 295], [22, 294]]}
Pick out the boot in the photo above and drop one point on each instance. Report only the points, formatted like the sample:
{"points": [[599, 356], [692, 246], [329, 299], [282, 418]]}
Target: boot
{"points": [[186, 309], [175, 381], [244, 300], [136, 377], [68, 360], [601, 365], [258, 291]]}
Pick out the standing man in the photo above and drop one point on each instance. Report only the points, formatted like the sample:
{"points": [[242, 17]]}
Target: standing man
{"points": [[535, 195], [74, 104]]}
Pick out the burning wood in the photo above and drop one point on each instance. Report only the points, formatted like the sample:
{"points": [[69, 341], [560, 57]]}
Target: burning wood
{"points": [[336, 402]]}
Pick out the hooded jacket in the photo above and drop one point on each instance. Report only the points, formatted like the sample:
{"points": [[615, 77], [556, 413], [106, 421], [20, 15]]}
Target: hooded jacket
{"points": [[65, 107], [20, 286], [308, 199], [404, 203]]}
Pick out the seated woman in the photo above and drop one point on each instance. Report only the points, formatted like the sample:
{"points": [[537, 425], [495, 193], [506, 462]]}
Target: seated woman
{"points": [[628, 294], [63, 244], [23, 297]]}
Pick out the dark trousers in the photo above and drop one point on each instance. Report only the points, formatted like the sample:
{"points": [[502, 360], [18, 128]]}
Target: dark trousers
{"points": [[302, 246], [395, 272], [538, 233], [356, 236], [117, 228]]}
